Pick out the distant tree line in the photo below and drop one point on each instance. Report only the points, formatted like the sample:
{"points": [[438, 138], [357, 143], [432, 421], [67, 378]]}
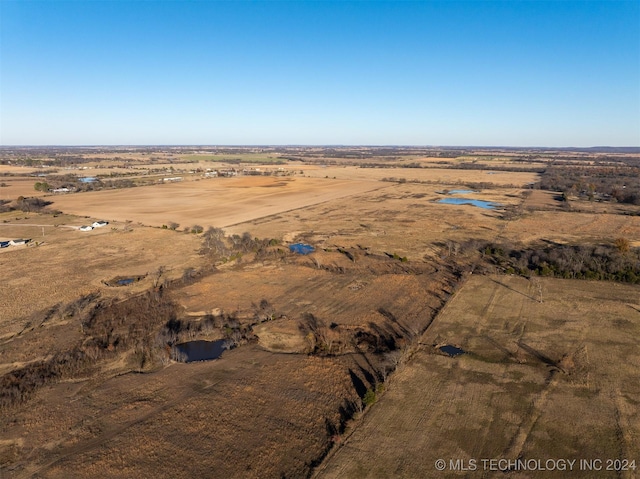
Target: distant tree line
{"points": [[617, 183], [484, 166]]}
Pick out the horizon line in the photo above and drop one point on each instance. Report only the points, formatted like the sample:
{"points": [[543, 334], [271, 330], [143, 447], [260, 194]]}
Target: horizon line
{"points": [[303, 145]]}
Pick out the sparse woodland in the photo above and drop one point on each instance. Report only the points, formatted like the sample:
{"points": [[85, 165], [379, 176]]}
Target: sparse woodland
{"points": [[612, 262]]}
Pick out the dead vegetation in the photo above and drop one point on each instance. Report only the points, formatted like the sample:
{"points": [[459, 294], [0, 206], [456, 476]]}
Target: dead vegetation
{"points": [[109, 328], [93, 386], [528, 368]]}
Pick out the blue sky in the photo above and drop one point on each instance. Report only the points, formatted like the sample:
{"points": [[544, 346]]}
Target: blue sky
{"points": [[482, 73]]}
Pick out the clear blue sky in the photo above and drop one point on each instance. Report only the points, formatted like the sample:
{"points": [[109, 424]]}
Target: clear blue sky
{"points": [[509, 73]]}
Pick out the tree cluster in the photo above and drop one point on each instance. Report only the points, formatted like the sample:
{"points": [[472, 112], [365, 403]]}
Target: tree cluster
{"points": [[617, 262], [31, 204], [618, 183], [108, 328], [217, 246]]}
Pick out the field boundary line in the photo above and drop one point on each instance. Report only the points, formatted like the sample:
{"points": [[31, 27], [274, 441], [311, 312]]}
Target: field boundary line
{"points": [[306, 206]]}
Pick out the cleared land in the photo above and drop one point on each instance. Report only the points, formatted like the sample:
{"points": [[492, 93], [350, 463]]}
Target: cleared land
{"points": [[219, 202], [68, 263], [431, 175], [202, 415], [316, 335], [551, 380], [573, 227], [18, 186], [543, 200]]}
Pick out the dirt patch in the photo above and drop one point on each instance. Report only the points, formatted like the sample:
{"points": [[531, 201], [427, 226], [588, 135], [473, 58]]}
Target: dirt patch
{"points": [[543, 200], [282, 336]]}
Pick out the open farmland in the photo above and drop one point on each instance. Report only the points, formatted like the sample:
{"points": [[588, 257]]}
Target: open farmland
{"points": [[18, 186], [573, 227], [428, 175], [550, 380], [334, 367], [68, 263], [219, 202], [402, 218], [108, 419]]}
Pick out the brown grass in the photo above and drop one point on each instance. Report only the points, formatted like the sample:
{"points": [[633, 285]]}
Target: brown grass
{"points": [[219, 202], [19, 186], [70, 263], [441, 175], [540, 380], [573, 227], [205, 416], [256, 413]]}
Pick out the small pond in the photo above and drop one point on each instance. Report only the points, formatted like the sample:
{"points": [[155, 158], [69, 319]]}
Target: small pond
{"points": [[202, 350], [124, 280], [488, 205], [451, 350], [301, 248], [88, 179]]}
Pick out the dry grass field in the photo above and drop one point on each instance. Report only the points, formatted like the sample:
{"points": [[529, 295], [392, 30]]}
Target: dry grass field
{"points": [[551, 380], [68, 263], [488, 162], [543, 200], [219, 202], [18, 186], [183, 421], [539, 380], [431, 175], [564, 227], [251, 413], [402, 218]]}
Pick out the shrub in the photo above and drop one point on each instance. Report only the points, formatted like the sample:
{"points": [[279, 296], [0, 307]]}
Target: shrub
{"points": [[369, 398]]}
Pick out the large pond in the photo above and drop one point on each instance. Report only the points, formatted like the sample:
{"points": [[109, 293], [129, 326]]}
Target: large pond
{"points": [[202, 350], [488, 205]]}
